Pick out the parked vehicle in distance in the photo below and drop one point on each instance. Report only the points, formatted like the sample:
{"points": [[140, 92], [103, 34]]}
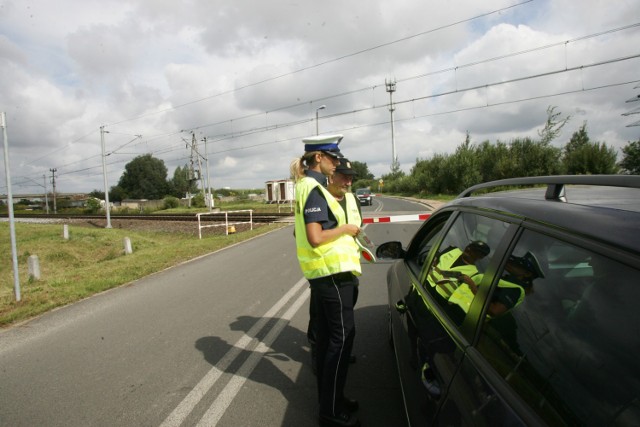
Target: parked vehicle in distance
{"points": [[364, 195], [520, 307]]}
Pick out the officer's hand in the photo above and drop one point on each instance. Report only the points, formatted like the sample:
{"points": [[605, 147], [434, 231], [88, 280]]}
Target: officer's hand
{"points": [[351, 230]]}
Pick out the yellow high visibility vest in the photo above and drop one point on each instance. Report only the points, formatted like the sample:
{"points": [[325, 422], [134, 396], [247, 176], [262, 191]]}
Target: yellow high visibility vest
{"points": [[353, 214], [463, 295], [338, 256], [445, 284]]}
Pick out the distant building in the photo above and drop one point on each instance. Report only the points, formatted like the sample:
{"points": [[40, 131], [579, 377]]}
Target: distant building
{"points": [[279, 191]]}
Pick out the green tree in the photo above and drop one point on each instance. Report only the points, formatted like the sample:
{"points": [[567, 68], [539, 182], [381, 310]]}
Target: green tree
{"points": [[145, 177], [462, 169], [391, 180], [171, 202], [362, 170], [534, 158], [553, 126], [430, 175], [117, 194], [93, 205], [581, 156], [180, 184], [631, 158], [97, 194], [495, 161]]}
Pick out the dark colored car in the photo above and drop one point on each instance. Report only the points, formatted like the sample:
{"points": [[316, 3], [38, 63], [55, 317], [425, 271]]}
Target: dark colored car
{"points": [[364, 195], [522, 307]]}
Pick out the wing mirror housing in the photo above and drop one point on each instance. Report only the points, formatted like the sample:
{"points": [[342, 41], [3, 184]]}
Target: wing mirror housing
{"points": [[390, 251]]}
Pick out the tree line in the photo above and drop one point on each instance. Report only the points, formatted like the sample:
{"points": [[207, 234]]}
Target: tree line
{"points": [[472, 164], [145, 177]]}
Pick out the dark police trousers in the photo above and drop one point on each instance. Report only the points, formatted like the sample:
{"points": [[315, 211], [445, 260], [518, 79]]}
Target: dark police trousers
{"points": [[332, 300]]}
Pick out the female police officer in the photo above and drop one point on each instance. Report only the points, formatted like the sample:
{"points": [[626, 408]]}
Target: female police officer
{"points": [[330, 260]]}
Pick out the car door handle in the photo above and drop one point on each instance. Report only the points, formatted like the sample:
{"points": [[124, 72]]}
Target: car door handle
{"points": [[401, 307]]}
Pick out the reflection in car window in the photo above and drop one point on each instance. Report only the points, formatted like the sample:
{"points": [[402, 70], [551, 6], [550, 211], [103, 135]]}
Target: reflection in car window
{"points": [[456, 270], [424, 240], [569, 345]]}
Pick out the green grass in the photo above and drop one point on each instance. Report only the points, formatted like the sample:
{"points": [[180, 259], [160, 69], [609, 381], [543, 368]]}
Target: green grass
{"points": [[91, 261]]}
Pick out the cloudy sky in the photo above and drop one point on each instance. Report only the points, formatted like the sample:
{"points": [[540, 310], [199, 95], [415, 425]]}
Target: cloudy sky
{"points": [[249, 76]]}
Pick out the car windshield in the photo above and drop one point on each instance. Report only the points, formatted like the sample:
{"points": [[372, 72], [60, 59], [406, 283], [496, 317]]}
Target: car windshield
{"points": [[362, 191]]}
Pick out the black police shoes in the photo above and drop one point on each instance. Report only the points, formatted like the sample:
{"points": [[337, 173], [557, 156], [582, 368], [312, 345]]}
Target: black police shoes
{"points": [[343, 419]]}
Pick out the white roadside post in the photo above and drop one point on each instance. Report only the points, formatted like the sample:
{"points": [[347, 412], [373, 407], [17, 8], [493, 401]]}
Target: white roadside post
{"points": [[34, 267]]}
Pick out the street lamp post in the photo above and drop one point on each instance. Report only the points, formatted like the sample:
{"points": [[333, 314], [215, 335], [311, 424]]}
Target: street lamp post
{"points": [[107, 208], [322, 107]]}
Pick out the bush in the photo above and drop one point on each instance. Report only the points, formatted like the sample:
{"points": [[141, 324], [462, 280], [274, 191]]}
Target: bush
{"points": [[92, 206], [171, 202]]}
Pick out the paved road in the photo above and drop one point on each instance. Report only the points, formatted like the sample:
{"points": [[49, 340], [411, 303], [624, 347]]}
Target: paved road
{"points": [[217, 341]]}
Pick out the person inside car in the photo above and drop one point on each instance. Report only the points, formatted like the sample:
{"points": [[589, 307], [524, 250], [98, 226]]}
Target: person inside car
{"points": [[517, 281], [450, 269], [454, 266]]}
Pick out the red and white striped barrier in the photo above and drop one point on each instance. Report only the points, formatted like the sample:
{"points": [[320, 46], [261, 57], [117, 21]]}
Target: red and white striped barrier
{"points": [[396, 218]]}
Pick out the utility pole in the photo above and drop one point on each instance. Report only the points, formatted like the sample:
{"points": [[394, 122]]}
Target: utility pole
{"points": [[12, 226], [391, 87], [107, 207], [195, 174], [46, 197], [206, 152], [53, 181], [198, 156]]}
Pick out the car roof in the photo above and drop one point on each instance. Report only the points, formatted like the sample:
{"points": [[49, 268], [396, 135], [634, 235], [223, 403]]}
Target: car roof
{"points": [[606, 213]]}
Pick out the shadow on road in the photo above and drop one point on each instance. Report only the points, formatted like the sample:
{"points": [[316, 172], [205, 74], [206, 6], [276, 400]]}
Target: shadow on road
{"points": [[285, 367]]}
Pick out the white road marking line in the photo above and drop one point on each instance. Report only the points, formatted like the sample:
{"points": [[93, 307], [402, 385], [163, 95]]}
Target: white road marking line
{"points": [[231, 390], [184, 408]]}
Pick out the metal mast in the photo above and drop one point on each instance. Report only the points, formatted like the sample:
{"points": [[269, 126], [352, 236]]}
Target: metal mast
{"points": [[391, 87]]}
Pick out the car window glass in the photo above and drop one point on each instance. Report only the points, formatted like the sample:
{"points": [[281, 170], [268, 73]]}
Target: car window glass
{"points": [[567, 337], [462, 257], [424, 240]]}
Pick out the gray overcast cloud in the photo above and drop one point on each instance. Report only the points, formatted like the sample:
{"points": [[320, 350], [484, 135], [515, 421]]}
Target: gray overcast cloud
{"points": [[249, 76]]}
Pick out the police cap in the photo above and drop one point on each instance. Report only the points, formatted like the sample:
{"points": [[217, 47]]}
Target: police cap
{"points": [[345, 167], [325, 143], [529, 262]]}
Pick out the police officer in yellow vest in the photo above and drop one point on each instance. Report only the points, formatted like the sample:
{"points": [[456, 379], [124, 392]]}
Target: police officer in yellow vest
{"points": [[330, 260], [516, 282], [339, 185], [450, 267]]}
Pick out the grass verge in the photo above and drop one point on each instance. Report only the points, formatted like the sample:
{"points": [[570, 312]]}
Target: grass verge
{"points": [[92, 260]]}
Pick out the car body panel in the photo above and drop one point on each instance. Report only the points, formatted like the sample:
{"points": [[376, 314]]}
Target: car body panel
{"points": [[517, 367]]}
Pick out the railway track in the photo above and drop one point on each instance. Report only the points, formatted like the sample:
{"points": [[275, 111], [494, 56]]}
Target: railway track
{"points": [[213, 217]]}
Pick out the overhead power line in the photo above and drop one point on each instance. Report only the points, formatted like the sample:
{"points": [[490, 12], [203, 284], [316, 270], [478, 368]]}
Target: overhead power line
{"points": [[239, 133], [320, 64]]}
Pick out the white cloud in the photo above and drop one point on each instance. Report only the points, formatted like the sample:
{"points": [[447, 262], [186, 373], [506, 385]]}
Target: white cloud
{"points": [[249, 75]]}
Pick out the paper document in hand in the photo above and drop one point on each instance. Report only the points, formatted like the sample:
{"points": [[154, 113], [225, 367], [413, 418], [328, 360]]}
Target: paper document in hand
{"points": [[366, 246]]}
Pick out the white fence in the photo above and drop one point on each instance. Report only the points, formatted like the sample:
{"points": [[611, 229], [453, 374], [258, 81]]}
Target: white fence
{"points": [[226, 221]]}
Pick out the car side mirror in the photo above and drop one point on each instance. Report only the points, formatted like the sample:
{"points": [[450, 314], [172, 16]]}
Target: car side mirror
{"points": [[390, 250]]}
